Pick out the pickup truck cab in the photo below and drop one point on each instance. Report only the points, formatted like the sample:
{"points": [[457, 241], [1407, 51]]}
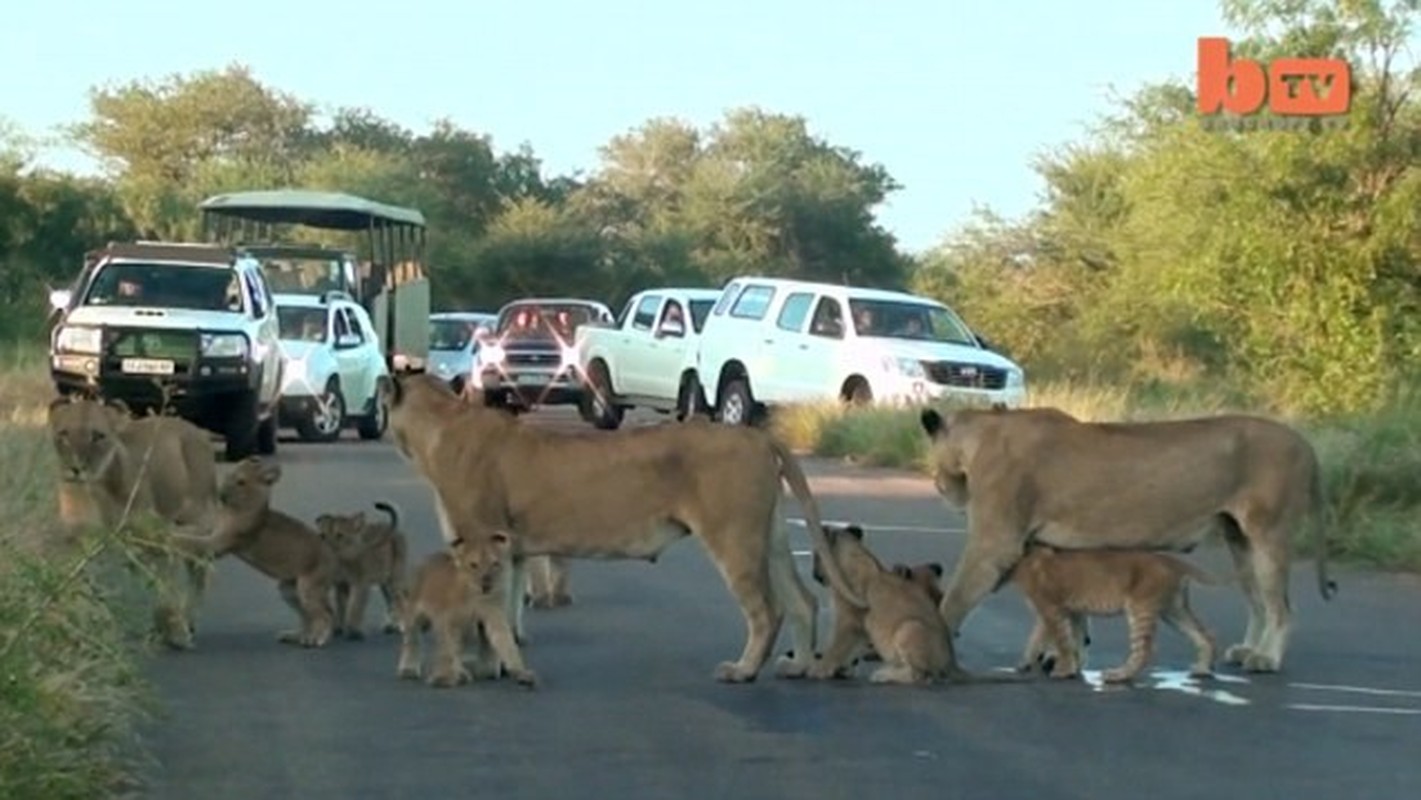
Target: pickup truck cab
{"points": [[529, 358], [454, 344], [772, 341], [333, 367], [647, 358], [187, 327]]}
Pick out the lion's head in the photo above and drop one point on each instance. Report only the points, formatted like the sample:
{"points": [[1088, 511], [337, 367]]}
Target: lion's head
{"points": [[481, 558], [925, 576], [248, 487], [85, 433], [348, 535]]}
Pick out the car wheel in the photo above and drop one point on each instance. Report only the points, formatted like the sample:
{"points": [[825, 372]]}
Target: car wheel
{"points": [[691, 400], [737, 406], [326, 420], [859, 394], [597, 403], [241, 430], [372, 425]]}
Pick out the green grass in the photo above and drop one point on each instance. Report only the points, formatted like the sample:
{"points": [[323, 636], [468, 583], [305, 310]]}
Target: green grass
{"points": [[1371, 462], [73, 622]]}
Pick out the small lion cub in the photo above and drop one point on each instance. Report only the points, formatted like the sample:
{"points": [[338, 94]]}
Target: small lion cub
{"points": [[462, 593], [277, 545], [927, 576], [1064, 586], [901, 622], [370, 554]]}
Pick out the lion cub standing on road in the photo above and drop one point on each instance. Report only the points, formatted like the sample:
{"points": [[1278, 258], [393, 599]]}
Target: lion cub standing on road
{"points": [[901, 622], [461, 594], [279, 546], [1063, 585], [369, 554]]}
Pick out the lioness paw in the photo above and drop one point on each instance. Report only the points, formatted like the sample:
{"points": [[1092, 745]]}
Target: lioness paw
{"points": [[1258, 662], [733, 672], [526, 678], [1237, 654], [790, 668]]}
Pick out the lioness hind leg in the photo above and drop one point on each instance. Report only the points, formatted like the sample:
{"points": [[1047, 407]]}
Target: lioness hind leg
{"points": [[1239, 551], [747, 575], [1181, 617], [1270, 572]]}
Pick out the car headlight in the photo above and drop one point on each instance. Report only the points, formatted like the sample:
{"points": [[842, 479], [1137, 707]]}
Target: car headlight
{"points": [[1016, 379], [907, 367], [569, 356], [491, 354], [224, 345], [87, 341]]}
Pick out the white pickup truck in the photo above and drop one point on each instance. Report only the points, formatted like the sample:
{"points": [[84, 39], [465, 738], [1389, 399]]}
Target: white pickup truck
{"points": [[647, 358]]}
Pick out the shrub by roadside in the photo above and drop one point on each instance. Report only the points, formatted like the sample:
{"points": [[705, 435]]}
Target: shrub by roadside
{"points": [[1371, 463], [73, 620]]}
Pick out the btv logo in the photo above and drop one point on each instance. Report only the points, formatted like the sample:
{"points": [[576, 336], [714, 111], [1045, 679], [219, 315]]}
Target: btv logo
{"points": [[1298, 87]]}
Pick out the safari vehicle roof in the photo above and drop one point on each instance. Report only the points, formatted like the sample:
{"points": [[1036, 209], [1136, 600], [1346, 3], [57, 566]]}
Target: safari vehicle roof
{"points": [[175, 252], [852, 292], [317, 209], [697, 293], [462, 315], [272, 250]]}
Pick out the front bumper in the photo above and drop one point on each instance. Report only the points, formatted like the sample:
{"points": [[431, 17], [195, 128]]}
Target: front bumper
{"points": [[904, 390], [193, 387], [533, 387]]}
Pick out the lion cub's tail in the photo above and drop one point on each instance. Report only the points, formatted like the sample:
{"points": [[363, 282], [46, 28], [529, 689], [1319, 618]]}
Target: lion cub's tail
{"points": [[794, 476], [391, 510]]}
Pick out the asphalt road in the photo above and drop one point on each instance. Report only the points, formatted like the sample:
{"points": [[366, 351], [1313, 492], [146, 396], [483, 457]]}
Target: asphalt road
{"points": [[628, 708]]}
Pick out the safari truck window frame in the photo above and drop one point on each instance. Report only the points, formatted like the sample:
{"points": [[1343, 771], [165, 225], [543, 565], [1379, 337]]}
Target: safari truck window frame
{"points": [[642, 319], [823, 303], [750, 293], [801, 315]]}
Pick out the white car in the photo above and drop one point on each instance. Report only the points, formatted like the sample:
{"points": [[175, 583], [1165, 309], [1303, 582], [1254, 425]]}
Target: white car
{"points": [[182, 326], [646, 358], [334, 367], [454, 344], [771, 341]]}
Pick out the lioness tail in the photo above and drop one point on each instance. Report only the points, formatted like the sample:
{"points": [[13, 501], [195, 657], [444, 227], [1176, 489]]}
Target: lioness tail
{"points": [[799, 485]]}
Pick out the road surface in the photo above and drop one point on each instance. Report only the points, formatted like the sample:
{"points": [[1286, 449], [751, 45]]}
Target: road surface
{"points": [[628, 708]]}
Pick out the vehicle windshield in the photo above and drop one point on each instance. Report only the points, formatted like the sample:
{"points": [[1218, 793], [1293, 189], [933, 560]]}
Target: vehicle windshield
{"points": [[301, 324], [186, 286], [451, 334], [897, 319], [700, 309], [303, 275], [544, 320]]}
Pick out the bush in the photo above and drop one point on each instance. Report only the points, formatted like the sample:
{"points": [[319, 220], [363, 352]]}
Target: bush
{"points": [[1371, 462]]}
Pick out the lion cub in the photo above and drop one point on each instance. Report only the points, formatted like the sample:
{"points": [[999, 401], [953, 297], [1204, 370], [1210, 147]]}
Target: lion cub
{"points": [[926, 577], [277, 545], [901, 622], [369, 554], [461, 594], [1063, 586]]}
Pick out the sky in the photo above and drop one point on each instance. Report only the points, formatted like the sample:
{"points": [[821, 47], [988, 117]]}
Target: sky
{"points": [[953, 98]]}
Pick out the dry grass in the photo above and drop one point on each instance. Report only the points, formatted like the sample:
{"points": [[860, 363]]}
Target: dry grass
{"points": [[73, 620], [1372, 463]]}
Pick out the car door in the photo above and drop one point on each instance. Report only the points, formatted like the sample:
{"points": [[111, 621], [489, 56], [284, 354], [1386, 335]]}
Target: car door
{"points": [[371, 362], [346, 347], [266, 350], [821, 350], [791, 349], [664, 349], [633, 373]]}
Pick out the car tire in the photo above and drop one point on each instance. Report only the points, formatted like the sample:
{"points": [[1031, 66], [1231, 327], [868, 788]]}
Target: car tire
{"points": [[859, 394], [318, 427], [597, 404], [737, 406], [377, 418], [691, 399], [241, 430]]}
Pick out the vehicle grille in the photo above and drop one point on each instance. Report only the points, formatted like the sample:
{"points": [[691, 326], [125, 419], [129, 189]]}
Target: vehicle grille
{"points": [[971, 376], [533, 359], [179, 346]]}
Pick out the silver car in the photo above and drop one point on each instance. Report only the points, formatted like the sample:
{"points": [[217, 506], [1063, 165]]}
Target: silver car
{"points": [[454, 344]]}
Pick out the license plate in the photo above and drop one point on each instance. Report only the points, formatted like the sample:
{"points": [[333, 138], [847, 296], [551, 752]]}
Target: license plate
{"points": [[530, 380], [147, 366]]}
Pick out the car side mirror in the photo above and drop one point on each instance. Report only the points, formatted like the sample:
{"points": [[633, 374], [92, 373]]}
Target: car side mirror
{"points": [[346, 340], [59, 298], [670, 327]]}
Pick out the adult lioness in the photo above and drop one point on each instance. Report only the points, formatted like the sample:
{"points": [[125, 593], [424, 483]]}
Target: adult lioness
{"points": [[114, 467], [623, 495], [1044, 475]]}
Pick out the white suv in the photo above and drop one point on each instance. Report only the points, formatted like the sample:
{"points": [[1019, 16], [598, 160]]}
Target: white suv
{"points": [[773, 341], [190, 325], [333, 367]]}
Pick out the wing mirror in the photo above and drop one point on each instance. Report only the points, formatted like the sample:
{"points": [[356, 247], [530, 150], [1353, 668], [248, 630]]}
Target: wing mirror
{"points": [[59, 298], [670, 327]]}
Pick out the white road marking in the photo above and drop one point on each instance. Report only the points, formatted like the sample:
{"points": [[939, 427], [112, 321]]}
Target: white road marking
{"points": [[1328, 687], [1356, 709], [870, 527]]}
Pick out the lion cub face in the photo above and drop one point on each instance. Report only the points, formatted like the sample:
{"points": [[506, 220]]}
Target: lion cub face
{"points": [[248, 487], [925, 576], [481, 559], [349, 535], [85, 436]]}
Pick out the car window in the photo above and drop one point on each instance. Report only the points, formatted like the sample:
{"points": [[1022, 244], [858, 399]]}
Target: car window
{"points": [[674, 312], [356, 327], [646, 312], [753, 302], [700, 309], [726, 298], [795, 309], [828, 319], [300, 323], [254, 295], [342, 326], [622, 315], [200, 288]]}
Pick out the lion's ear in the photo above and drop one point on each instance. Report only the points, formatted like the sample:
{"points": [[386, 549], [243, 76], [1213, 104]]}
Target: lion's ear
{"points": [[855, 531], [456, 541], [903, 571], [500, 538], [323, 524], [932, 422], [56, 403], [270, 472], [936, 568], [999, 407]]}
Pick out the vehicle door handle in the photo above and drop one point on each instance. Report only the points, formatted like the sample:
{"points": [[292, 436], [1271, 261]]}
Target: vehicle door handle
{"points": [[804, 347], [769, 341]]}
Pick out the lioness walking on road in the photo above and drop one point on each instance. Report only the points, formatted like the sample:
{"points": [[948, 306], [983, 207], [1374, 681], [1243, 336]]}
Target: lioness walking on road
{"points": [[1148, 587], [369, 554], [1042, 474], [625, 494]]}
